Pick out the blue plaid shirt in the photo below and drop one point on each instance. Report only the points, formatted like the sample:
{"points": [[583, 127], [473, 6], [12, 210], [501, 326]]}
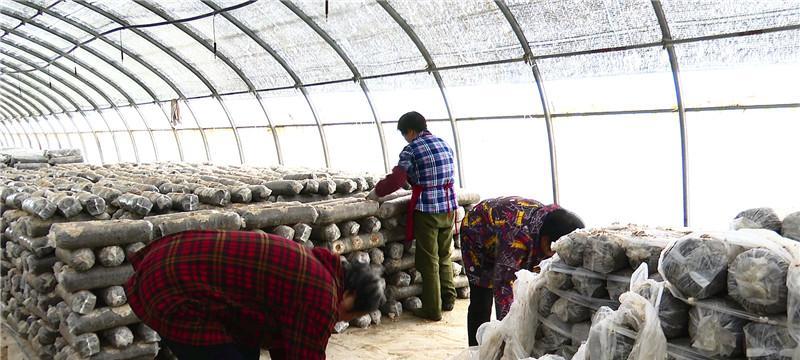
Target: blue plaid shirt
{"points": [[428, 161]]}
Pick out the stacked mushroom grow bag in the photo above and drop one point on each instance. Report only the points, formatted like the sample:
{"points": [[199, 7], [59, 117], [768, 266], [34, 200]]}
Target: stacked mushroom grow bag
{"points": [[61, 291], [726, 295]]}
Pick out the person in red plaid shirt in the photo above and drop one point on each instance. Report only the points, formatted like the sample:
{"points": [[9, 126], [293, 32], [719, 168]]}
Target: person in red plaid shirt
{"points": [[427, 164], [228, 294]]}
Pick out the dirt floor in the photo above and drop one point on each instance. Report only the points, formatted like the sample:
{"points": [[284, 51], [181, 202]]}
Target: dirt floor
{"points": [[407, 338]]}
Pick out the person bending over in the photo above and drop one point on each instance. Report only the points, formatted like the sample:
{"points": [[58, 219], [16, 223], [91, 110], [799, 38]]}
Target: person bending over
{"points": [[228, 294], [499, 237]]}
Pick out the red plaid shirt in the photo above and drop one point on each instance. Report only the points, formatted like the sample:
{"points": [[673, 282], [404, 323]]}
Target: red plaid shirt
{"points": [[217, 287]]}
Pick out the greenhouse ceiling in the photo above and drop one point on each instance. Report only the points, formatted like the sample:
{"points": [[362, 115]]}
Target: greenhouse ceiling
{"points": [[547, 91]]}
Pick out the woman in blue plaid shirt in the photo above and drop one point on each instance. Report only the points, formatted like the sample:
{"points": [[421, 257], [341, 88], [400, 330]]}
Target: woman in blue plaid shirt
{"points": [[427, 164]]}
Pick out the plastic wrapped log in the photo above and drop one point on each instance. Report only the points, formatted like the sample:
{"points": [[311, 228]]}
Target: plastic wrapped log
{"points": [[35, 227], [340, 327], [758, 218], [260, 192], [604, 254], [590, 286], [412, 303], [394, 250], [303, 198], [241, 194], [361, 322], [136, 204], [399, 293], [43, 283], [133, 249], [310, 186], [546, 301], [375, 317], [212, 196], [40, 207], [113, 296], [395, 265], [672, 313], [68, 206], [349, 228], [302, 232], [393, 208], [697, 267], [769, 342], [376, 256], [643, 253], [358, 257], [31, 166], [110, 256], [85, 344], [108, 194], [370, 224], [160, 201], [167, 188], [392, 308], [457, 268], [283, 231], [556, 280], [164, 225], [757, 281], [46, 335], [98, 277], [715, 332], [93, 205], [91, 234], [285, 187], [606, 344], [325, 233], [118, 337], [100, 319], [81, 302], [61, 160], [345, 186], [570, 312], [571, 247], [145, 334], [262, 217], [184, 202], [326, 187], [619, 283], [40, 265], [15, 200], [127, 215], [344, 212], [791, 226], [399, 279], [357, 243], [463, 292]]}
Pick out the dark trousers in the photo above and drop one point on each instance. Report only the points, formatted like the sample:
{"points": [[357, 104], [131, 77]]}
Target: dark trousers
{"points": [[479, 312], [211, 352]]}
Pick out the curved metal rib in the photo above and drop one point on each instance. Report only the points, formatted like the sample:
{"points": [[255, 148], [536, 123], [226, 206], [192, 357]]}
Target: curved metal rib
{"points": [[298, 83], [356, 74], [102, 77], [673, 62], [548, 120], [8, 86], [63, 81], [60, 93], [25, 104], [432, 68], [44, 94]]}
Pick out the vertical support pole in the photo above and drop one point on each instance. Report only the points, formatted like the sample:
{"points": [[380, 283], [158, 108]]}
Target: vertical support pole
{"points": [[673, 62]]}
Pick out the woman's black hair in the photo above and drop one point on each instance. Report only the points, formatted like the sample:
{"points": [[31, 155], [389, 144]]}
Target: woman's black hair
{"points": [[366, 284], [412, 121], [559, 223]]}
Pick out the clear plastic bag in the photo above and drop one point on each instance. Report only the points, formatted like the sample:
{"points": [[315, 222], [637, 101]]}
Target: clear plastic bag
{"points": [[547, 299], [697, 265], [791, 226], [571, 247], [758, 218], [767, 342], [514, 336], [590, 286], [714, 331], [672, 312], [757, 281], [619, 283], [604, 252], [605, 343], [570, 312]]}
